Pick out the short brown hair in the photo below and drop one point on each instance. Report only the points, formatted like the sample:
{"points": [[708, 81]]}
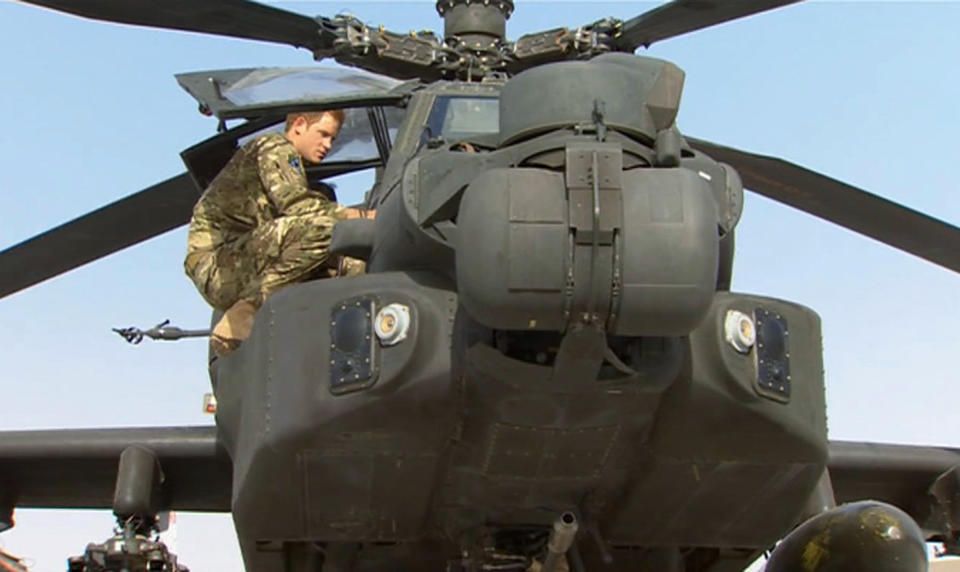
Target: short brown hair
{"points": [[314, 116]]}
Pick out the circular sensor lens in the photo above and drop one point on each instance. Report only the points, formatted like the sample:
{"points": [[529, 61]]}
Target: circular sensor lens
{"points": [[740, 331], [392, 323]]}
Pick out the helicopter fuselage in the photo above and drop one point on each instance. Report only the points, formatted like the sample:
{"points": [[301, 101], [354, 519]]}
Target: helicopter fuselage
{"points": [[545, 329]]}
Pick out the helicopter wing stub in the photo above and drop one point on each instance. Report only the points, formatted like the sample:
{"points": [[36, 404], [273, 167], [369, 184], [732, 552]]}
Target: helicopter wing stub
{"points": [[683, 16], [77, 468], [233, 18], [909, 477], [868, 214], [126, 222]]}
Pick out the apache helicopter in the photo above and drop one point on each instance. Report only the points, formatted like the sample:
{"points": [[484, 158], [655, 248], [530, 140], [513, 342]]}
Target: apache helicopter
{"points": [[515, 526]]}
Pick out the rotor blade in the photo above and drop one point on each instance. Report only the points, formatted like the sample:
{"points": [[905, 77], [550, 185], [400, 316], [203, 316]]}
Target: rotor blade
{"points": [[235, 18], [118, 225], [842, 204], [682, 16]]}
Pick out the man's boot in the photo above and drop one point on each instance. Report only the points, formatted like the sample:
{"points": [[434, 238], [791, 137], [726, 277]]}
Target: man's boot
{"points": [[234, 327]]}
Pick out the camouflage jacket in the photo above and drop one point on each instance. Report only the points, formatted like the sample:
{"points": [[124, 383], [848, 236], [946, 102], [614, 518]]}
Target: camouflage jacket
{"points": [[263, 180]]}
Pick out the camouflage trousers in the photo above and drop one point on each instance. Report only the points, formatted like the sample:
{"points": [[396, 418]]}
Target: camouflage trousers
{"points": [[283, 251]]}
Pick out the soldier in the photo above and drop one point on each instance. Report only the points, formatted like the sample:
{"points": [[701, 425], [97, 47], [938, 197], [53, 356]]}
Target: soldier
{"points": [[258, 227]]}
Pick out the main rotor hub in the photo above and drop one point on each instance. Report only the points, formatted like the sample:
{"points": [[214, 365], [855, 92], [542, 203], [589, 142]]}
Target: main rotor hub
{"points": [[478, 22]]}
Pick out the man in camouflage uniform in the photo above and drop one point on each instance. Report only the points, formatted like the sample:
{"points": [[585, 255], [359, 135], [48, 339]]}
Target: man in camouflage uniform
{"points": [[258, 227]]}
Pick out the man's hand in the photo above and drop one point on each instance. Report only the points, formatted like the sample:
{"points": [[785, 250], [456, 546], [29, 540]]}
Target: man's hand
{"points": [[360, 213]]}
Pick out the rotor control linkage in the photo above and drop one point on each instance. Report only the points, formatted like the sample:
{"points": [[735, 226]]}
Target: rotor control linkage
{"points": [[159, 332]]}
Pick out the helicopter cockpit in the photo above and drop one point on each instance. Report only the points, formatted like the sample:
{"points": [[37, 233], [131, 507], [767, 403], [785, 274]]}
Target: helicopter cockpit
{"points": [[462, 117], [260, 99]]}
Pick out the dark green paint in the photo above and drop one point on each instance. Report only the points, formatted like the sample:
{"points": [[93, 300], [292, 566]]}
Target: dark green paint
{"points": [[567, 279]]}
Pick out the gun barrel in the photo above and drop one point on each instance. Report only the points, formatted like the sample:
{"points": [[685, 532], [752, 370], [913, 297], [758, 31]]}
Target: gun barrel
{"points": [[561, 539]]}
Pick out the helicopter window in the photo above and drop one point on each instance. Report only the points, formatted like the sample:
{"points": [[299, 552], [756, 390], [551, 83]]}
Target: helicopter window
{"points": [[354, 149], [273, 85], [458, 117], [356, 141]]}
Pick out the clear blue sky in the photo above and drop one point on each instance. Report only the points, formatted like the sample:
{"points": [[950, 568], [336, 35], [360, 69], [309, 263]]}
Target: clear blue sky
{"points": [[866, 92]]}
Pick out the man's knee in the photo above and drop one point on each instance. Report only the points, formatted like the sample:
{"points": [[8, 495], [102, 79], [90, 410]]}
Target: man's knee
{"points": [[314, 231], [300, 241], [217, 278], [282, 251]]}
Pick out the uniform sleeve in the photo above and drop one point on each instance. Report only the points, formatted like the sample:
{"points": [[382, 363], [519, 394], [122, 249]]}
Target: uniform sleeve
{"points": [[285, 185]]}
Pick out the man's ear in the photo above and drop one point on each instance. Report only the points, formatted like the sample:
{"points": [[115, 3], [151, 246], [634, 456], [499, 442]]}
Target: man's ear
{"points": [[298, 125]]}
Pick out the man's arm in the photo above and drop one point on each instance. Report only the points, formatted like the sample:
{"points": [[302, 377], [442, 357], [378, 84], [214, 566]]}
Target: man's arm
{"points": [[283, 179], [281, 173]]}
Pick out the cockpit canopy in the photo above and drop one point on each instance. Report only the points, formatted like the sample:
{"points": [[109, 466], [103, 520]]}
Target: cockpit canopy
{"points": [[464, 117], [372, 105], [254, 92]]}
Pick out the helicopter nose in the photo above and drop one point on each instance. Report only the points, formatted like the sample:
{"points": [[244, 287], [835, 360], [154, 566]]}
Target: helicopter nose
{"points": [[546, 250]]}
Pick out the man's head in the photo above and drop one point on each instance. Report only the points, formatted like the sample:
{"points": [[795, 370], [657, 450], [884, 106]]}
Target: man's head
{"points": [[313, 132]]}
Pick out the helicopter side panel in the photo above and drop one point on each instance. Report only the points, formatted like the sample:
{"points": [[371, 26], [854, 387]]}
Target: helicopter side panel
{"points": [[729, 464], [318, 459]]}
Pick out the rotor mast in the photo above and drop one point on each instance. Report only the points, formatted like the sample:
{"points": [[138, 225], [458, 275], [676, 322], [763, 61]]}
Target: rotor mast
{"points": [[475, 24]]}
